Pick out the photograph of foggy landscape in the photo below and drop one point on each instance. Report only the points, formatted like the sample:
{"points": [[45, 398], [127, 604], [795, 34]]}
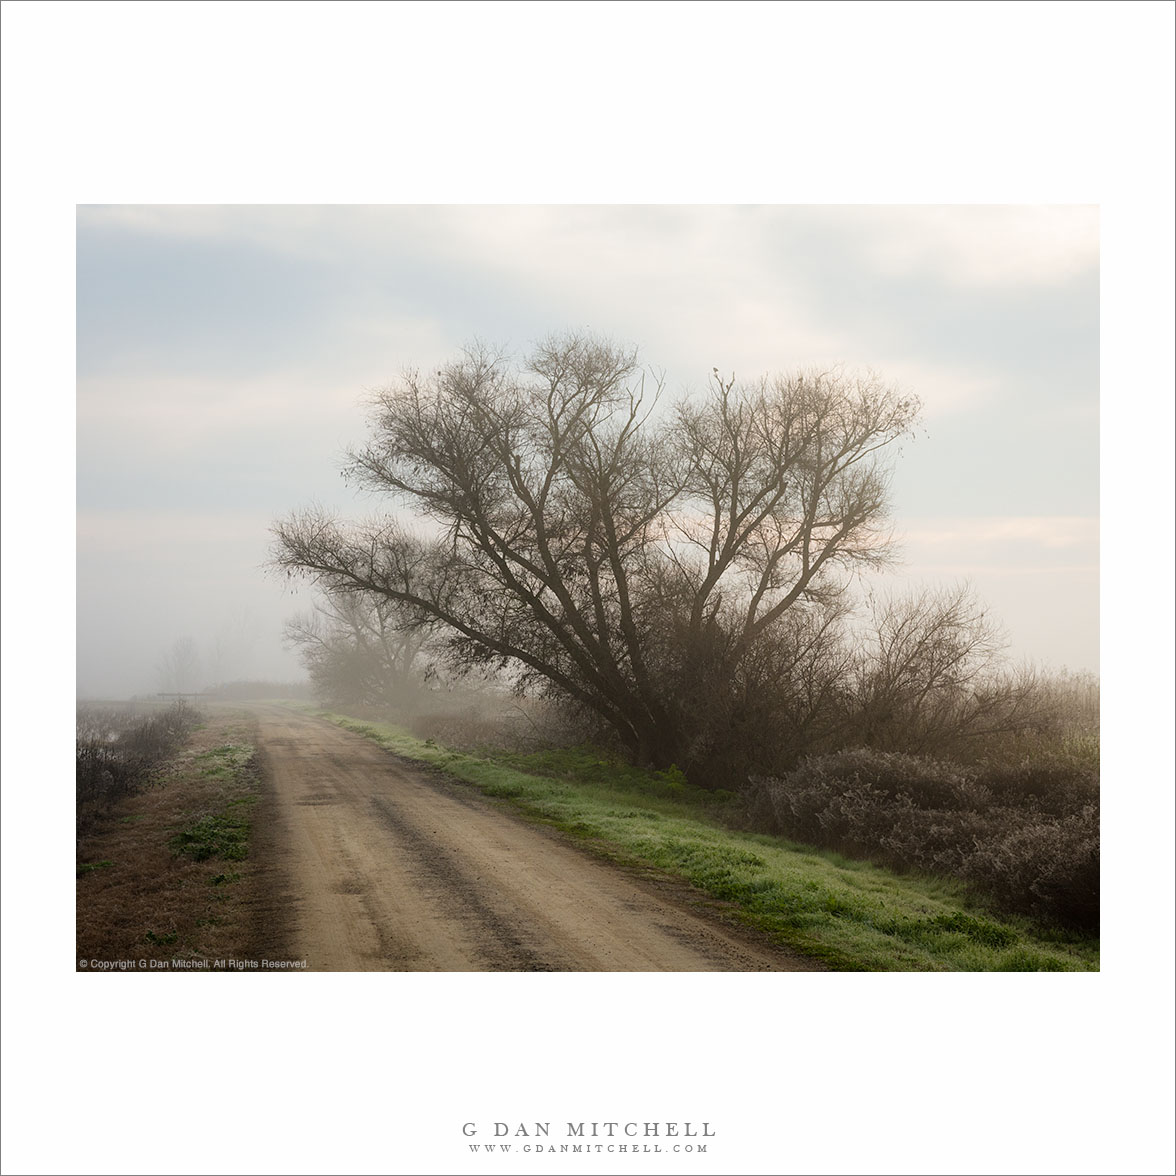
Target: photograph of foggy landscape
{"points": [[588, 588], [573, 536]]}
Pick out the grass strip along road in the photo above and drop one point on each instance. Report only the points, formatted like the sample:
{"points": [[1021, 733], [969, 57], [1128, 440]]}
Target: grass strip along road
{"points": [[847, 914]]}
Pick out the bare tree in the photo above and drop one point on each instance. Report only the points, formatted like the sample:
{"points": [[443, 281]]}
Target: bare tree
{"points": [[631, 560], [929, 677], [357, 649], [179, 668]]}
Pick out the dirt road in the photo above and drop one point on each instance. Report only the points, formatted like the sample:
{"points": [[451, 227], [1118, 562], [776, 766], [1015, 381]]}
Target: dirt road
{"points": [[391, 868]]}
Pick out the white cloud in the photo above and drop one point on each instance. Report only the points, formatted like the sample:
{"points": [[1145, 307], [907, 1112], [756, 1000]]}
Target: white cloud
{"points": [[942, 389], [689, 283], [948, 536], [300, 230], [979, 245], [696, 286], [167, 413]]}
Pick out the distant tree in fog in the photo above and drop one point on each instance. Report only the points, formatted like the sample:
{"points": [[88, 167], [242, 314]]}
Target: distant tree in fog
{"points": [[360, 649], [229, 649], [179, 669]]}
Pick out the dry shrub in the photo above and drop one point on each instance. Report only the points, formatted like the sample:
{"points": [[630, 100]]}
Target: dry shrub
{"points": [[118, 751], [1048, 868], [494, 721], [467, 731], [1028, 837], [1052, 786]]}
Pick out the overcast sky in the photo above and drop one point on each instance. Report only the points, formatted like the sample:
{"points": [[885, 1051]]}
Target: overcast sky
{"points": [[224, 354]]}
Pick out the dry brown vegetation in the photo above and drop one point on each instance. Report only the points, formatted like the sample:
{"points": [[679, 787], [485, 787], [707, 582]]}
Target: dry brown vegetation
{"points": [[120, 749], [165, 873], [1017, 819]]}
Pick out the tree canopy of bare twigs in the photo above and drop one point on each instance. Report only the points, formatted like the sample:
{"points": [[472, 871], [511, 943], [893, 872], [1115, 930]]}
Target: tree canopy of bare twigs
{"points": [[928, 676], [659, 564]]}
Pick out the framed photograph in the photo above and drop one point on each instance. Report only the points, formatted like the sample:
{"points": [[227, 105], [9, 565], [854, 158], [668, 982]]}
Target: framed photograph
{"points": [[585, 548]]}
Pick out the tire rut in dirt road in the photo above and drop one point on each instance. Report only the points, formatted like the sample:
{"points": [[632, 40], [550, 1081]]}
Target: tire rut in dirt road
{"points": [[500, 942], [393, 868]]}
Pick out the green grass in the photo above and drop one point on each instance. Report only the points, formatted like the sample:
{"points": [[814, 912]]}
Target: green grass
{"points": [[849, 914], [223, 834], [224, 761]]}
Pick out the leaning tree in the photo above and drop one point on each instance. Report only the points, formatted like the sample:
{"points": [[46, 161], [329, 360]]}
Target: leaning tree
{"points": [[667, 567]]}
